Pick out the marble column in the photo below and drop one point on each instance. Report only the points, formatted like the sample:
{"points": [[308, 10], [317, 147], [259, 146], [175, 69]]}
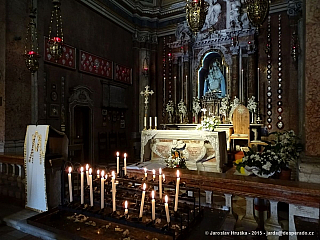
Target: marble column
{"points": [[272, 223], [235, 77], [249, 222], [230, 221]]}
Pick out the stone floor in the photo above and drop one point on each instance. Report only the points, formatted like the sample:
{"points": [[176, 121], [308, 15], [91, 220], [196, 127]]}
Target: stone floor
{"points": [[10, 233]]}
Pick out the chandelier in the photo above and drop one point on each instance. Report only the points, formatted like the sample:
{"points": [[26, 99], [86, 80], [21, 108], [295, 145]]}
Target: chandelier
{"points": [[257, 11], [196, 11], [31, 48], [56, 40]]}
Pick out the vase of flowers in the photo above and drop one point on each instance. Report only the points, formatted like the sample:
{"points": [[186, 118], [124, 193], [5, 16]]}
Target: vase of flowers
{"points": [[252, 107], [170, 110], [176, 160], [209, 124]]}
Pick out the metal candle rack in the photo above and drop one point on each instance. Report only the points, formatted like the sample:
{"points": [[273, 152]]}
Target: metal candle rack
{"points": [[187, 215]]}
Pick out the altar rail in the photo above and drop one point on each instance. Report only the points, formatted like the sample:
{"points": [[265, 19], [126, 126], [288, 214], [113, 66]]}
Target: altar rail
{"points": [[303, 198], [12, 178]]}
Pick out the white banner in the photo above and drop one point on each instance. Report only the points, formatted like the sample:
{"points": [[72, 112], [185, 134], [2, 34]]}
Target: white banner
{"points": [[34, 161]]}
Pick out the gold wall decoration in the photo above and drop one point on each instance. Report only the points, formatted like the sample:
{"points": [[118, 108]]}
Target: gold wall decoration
{"points": [[196, 12], [257, 11]]}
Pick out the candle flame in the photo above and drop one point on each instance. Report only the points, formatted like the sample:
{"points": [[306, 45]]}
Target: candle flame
{"points": [[160, 171], [164, 177], [145, 170], [81, 169], [102, 173], [178, 173], [117, 154], [70, 169], [152, 194], [87, 167], [166, 198], [98, 172], [90, 171], [125, 155], [144, 187], [113, 175], [126, 204], [154, 172]]}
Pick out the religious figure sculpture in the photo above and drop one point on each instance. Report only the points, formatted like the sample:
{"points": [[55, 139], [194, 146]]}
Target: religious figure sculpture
{"points": [[182, 110], [214, 11], [234, 15], [215, 81]]}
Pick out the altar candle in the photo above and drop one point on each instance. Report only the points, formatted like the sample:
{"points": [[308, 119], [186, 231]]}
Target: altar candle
{"points": [[126, 208], [242, 81], [186, 90], [155, 123], [91, 187], [117, 162], [113, 191], [70, 184], [258, 82], [98, 173], [153, 204], [145, 173], [82, 187], [153, 174], [102, 189], [125, 164], [150, 122], [177, 192], [175, 89], [166, 207], [87, 174], [142, 200], [160, 183]]}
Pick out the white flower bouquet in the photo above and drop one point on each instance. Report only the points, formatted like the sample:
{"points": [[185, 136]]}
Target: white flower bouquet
{"points": [[209, 124]]}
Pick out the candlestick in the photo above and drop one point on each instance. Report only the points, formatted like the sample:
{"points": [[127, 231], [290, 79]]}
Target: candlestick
{"points": [[98, 173], [70, 184], [125, 164], [150, 122], [153, 204], [113, 191], [81, 186], [175, 89], [117, 163], [160, 183], [87, 174], [177, 192], [186, 90], [153, 174], [91, 187], [144, 123], [166, 207], [102, 189], [242, 81], [142, 200], [126, 208], [145, 174], [155, 123]]}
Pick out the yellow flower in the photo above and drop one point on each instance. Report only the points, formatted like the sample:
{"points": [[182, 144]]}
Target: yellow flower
{"points": [[239, 161], [242, 171]]}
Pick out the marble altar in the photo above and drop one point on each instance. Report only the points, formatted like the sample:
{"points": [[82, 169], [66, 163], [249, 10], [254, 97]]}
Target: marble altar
{"points": [[205, 151]]}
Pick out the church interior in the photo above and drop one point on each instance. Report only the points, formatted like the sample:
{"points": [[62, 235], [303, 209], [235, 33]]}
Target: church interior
{"points": [[159, 119]]}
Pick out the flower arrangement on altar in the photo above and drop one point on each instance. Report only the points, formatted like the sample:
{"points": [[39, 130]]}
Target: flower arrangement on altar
{"points": [[196, 108], [176, 160], [170, 107], [275, 157], [233, 105], [252, 104], [182, 107], [209, 124]]}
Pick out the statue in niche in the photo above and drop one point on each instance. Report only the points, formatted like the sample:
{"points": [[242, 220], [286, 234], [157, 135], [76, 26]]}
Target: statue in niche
{"points": [[215, 81], [214, 11]]}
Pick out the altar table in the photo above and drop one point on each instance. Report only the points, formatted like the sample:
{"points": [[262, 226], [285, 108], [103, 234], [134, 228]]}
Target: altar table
{"points": [[204, 149]]}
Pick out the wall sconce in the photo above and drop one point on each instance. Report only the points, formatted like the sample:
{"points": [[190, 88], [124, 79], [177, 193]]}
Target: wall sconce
{"points": [[145, 70], [56, 41], [31, 48]]}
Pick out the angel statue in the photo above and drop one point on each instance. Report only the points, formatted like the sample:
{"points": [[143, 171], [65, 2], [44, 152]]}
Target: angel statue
{"points": [[182, 110]]}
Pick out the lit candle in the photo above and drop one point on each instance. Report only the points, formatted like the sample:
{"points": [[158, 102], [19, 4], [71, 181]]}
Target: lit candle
{"points": [[150, 122], [258, 82], [242, 81], [145, 173], [70, 184], [98, 173], [91, 187], [82, 187], [126, 208], [113, 191], [87, 174], [164, 177], [166, 207], [142, 200], [125, 164], [117, 162], [175, 89], [160, 183], [186, 90], [145, 122], [153, 204], [153, 174], [155, 123], [102, 189], [177, 192]]}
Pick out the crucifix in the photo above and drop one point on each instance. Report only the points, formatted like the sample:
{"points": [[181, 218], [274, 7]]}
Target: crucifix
{"points": [[146, 94]]}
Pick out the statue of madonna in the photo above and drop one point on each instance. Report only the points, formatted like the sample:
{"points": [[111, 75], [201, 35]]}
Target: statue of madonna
{"points": [[215, 81]]}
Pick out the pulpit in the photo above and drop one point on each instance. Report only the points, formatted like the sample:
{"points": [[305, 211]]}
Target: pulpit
{"points": [[204, 151]]}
